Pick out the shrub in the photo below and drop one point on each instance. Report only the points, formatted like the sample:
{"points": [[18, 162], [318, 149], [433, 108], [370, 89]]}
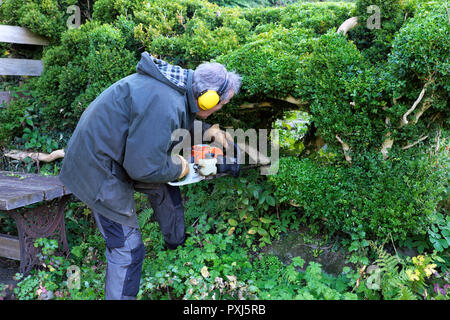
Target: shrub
{"points": [[271, 63], [47, 18], [87, 61], [375, 41], [417, 61], [107, 11], [378, 197]]}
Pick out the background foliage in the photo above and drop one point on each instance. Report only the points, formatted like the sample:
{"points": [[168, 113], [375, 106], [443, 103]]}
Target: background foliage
{"points": [[357, 90]]}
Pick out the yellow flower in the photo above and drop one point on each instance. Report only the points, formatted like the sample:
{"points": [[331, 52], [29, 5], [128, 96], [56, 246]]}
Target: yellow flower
{"points": [[418, 260], [51, 268], [413, 276], [429, 270]]}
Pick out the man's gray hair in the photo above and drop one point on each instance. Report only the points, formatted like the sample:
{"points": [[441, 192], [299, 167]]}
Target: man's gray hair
{"points": [[211, 76]]}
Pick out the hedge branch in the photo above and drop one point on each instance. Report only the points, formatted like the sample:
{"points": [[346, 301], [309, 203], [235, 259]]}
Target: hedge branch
{"points": [[36, 156], [437, 141], [426, 105], [413, 144], [404, 120], [346, 148], [387, 144], [254, 154], [348, 25], [255, 105], [293, 100]]}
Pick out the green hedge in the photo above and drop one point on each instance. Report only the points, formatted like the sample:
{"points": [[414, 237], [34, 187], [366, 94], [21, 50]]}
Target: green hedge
{"points": [[356, 88], [380, 198]]}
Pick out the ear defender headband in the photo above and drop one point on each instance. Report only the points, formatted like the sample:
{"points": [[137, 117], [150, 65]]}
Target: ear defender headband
{"points": [[208, 99]]}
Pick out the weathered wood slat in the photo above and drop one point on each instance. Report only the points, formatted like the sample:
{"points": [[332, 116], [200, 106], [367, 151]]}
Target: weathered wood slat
{"points": [[30, 179], [18, 190], [17, 198], [9, 247], [20, 67], [13, 34], [49, 192]]}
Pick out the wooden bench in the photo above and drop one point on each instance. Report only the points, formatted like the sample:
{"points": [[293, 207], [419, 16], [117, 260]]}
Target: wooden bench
{"points": [[43, 220], [35, 202]]}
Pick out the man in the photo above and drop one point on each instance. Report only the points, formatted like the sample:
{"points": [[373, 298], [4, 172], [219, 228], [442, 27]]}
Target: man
{"points": [[124, 137]]}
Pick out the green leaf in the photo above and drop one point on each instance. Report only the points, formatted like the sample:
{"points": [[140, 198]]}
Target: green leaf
{"points": [[262, 232], [265, 220], [298, 262], [232, 222], [270, 200]]}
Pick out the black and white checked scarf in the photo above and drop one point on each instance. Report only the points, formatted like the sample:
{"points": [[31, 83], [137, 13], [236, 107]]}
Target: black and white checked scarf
{"points": [[175, 74]]}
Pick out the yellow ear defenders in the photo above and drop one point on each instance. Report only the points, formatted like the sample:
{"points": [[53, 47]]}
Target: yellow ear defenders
{"points": [[208, 99]]}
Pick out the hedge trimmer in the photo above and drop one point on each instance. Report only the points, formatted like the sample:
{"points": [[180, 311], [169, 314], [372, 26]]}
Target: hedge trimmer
{"points": [[209, 162]]}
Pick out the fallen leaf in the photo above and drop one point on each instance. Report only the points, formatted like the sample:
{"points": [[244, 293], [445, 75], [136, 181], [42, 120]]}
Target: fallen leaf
{"points": [[205, 272]]}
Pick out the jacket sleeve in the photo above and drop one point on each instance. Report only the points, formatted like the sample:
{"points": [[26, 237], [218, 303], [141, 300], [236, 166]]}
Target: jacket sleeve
{"points": [[147, 152]]}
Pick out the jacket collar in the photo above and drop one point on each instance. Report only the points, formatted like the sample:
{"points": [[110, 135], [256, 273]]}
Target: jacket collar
{"points": [[190, 94]]}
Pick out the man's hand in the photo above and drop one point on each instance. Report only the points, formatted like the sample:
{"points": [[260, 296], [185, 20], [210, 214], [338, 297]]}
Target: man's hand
{"points": [[219, 136], [185, 167]]}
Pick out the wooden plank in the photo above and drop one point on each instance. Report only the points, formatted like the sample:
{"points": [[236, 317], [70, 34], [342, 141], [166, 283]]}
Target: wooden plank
{"points": [[30, 178], [13, 34], [18, 197], [5, 97], [19, 189], [49, 192], [20, 67], [9, 247]]}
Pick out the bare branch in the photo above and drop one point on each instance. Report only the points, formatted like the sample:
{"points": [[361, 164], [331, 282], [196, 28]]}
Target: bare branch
{"points": [[387, 121], [36, 156], [437, 141], [348, 25], [413, 144], [255, 105], [426, 105], [387, 144], [254, 154], [404, 120], [293, 100], [265, 104], [346, 148]]}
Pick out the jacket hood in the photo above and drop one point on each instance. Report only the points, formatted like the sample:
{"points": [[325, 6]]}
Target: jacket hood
{"points": [[147, 66]]}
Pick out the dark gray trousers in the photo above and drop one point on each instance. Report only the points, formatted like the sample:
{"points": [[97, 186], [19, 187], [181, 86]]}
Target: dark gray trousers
{"points": [[125, 250]]}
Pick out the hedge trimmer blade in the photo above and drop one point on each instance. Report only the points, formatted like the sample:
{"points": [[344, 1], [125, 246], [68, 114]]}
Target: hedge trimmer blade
{"points": [[192, 177]]}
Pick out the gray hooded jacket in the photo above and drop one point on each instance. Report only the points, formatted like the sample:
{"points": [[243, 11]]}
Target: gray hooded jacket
{"points": [[125, 136]]}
